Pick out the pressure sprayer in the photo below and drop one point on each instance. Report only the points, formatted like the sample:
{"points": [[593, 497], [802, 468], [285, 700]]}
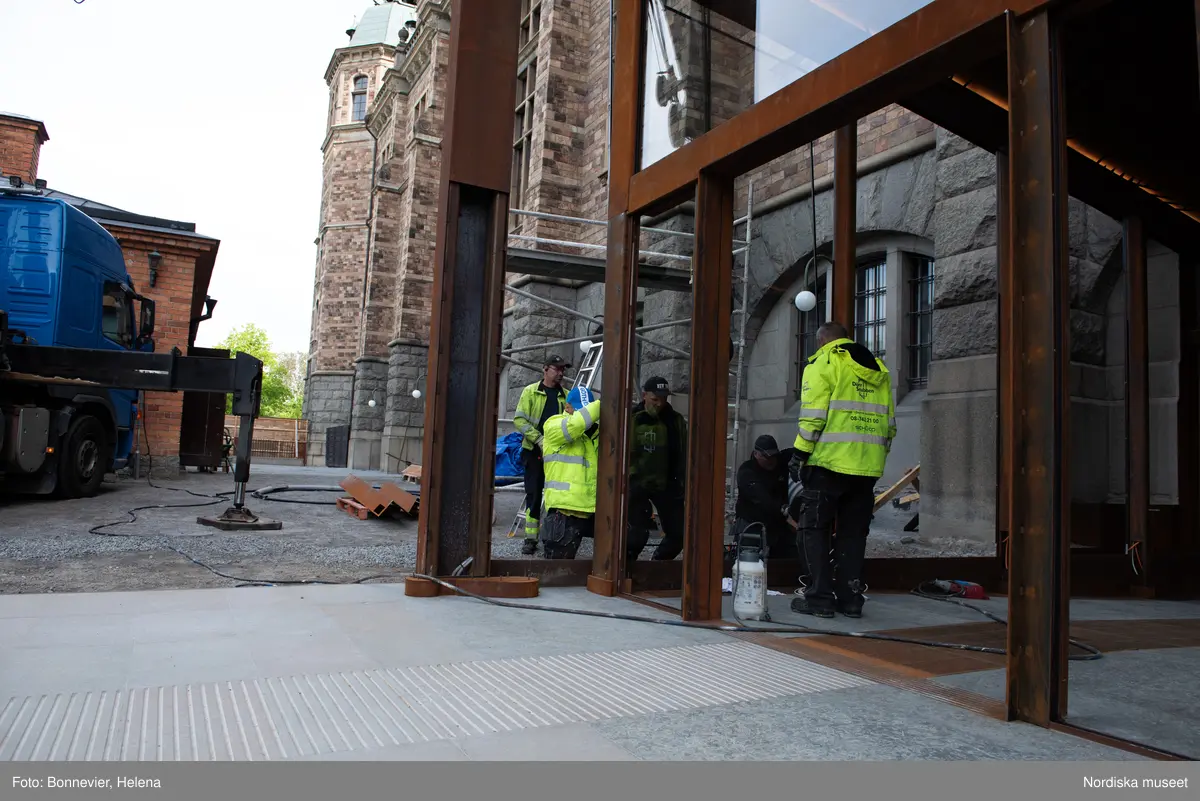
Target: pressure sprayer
{"points": [[750, 575]]}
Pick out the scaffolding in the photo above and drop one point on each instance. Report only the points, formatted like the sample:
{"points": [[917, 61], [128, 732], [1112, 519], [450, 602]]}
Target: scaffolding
{"points": [[593, 344]]}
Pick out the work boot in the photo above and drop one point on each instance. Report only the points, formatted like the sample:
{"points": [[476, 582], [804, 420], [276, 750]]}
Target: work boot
{"points": [[816, 608], [850, 603], [529, 547]]}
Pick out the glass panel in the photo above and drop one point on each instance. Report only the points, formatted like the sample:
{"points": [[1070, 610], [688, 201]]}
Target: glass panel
{"points": [[706, 61]]}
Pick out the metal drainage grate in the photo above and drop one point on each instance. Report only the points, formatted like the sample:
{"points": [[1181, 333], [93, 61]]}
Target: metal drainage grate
{"points": [[300, 716]]}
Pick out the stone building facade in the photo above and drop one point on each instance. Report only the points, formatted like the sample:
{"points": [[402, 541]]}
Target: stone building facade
{"points": [[927, 266]]}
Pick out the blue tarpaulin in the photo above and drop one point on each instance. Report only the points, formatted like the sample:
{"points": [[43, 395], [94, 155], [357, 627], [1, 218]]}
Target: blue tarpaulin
{"points": [[508, 457]]}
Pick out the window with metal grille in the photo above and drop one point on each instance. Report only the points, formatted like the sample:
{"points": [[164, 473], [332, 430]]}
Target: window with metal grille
{"points": [[531, 20], [870, 307], [359, 98], [920, 321]]}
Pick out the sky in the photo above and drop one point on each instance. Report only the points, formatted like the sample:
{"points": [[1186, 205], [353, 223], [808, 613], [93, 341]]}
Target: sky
{"points": [[209, 111]]}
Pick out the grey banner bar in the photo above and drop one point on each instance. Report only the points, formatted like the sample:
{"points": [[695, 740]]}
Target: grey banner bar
{"points": [[301, 781]]}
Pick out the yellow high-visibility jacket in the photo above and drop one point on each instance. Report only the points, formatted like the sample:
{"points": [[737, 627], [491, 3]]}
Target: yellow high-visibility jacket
{"points": [[847, 413], [570, 456], [529, 413]]}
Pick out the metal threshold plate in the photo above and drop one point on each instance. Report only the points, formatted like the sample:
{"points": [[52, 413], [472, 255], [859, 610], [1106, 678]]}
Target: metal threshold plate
{"points": [[311, 715]]}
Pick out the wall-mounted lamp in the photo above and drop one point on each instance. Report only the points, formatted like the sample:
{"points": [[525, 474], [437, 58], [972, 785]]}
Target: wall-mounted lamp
{"points": [[155, 260]]}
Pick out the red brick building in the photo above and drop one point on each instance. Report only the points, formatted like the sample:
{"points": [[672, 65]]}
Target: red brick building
{"points": [[169, 263]]}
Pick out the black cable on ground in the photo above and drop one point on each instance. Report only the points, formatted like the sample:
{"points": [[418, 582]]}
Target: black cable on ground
{"points": [[780, 628]]}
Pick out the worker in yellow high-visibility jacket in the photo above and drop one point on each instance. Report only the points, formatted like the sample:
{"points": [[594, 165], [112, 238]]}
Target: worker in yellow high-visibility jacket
{"points": [[846, 427], [539, 402], [570, 448]]}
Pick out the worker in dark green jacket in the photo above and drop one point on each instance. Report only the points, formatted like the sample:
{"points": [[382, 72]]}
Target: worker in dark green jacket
{"points": [[658, 470], [539, 402]]}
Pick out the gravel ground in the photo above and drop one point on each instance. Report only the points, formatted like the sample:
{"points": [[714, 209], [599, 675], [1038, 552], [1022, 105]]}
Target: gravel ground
{"points": [[45, 545]]}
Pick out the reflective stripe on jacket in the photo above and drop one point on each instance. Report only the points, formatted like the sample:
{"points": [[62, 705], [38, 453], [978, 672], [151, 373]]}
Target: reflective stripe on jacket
{"points": [[529, 413], [847, 413], [570, 457]]}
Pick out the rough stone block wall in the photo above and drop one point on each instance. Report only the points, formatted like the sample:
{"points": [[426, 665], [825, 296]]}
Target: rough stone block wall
{"points": [[20, 148], [531, 323], [404, 420], [329, 404], [366, 425]]}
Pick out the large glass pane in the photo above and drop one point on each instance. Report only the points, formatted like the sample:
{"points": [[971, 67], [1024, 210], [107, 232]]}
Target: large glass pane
{"points": [[709, 60]]}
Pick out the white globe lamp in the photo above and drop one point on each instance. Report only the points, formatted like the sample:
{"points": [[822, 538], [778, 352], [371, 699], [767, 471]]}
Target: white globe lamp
{"points": [[806, 301], [371, 403], [586, 346], [416, 393]]}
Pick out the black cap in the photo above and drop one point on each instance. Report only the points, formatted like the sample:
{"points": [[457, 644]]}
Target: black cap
{"points": [[766, 445], [557, 361], [658, 386]]}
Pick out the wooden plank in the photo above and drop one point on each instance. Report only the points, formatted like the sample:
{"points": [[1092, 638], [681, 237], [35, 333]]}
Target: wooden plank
{"points": [[909, 477], [352, 508], [486, 586]]}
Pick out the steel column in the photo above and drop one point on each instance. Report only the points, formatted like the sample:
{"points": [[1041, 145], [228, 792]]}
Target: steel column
{"points": [[620, 305], [1137, 394], [845, 218], [704, 518], [469, 270], [1007, 414], [1040, 522]]}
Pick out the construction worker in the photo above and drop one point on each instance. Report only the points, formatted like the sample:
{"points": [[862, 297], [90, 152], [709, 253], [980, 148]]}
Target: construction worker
{"points": [[658, 471], [762, 494], [846, 427], [539, 402], [570, 444]]}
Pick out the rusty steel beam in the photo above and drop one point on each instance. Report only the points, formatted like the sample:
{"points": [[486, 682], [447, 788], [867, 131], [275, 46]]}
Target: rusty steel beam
{"points": [[708, 407], [1137, 393], [845, 222], [469, 269], [923, 48], [1006, 417], [1040, 523], [620, 306], [1188, 440]]}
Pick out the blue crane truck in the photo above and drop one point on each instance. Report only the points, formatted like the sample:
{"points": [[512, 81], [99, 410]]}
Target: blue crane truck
{"points": [[77, 347]]}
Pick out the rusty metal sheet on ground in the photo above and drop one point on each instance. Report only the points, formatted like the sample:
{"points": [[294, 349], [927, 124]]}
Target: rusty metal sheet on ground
{"points": [[377, 501]]}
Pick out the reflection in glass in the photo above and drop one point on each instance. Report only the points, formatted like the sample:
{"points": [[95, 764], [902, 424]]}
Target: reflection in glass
{"points": [[708, 60]]}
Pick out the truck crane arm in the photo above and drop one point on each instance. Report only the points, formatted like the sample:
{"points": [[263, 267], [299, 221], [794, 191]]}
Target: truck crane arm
{"points": [[146, 371]]}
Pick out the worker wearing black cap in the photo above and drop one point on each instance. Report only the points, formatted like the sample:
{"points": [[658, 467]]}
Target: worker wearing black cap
{"points": [[658, 472], [762, 496], [539, 402]]}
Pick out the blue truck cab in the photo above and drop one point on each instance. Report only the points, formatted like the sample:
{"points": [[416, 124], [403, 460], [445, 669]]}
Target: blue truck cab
{"points": [[63, 283]]}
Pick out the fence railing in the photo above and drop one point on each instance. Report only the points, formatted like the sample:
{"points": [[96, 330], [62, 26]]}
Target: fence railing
{"points": [[274, 437]]}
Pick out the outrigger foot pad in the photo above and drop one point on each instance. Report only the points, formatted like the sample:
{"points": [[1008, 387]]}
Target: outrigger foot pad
{"points": [[235, 519]]}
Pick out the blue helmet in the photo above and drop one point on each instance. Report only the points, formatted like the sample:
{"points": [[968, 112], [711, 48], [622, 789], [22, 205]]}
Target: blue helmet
{"points": [[580, 397]]}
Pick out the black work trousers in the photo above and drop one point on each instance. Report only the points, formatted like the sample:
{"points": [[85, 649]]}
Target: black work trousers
{"points": [[562, 534], [670, 514], [781, 539], [535, 483], [830, 501]]}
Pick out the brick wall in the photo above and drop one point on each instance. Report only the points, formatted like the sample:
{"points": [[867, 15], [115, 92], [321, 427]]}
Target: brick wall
{"points": [[20, 146], [172, 296]]}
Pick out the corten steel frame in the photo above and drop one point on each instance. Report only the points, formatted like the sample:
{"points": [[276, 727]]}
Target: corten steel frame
{"points": [[910, 62], [465, 329]]}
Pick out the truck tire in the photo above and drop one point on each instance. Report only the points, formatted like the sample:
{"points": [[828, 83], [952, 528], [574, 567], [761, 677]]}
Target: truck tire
{"points": [[83, 459]]}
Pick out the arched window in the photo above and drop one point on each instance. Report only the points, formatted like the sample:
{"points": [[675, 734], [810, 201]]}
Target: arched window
{"points": [[359, 99]]}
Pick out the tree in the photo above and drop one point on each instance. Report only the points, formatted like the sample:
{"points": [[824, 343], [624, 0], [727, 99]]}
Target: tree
{"points": [[280, 395]]}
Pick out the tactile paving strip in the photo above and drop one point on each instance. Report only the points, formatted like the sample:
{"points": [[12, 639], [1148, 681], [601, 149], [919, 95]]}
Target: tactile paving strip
{"points": [[310, 715]]}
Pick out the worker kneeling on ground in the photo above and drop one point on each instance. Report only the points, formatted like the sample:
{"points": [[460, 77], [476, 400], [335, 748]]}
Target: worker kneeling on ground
{"points": [[847, 424], [762, 495], [569, 452]]}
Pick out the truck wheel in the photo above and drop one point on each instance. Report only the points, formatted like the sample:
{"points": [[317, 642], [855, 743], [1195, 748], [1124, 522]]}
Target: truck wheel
{"points": [[83, 460]]}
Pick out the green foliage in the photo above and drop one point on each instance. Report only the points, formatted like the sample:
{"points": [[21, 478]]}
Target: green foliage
{"points": [[283, 379]]}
